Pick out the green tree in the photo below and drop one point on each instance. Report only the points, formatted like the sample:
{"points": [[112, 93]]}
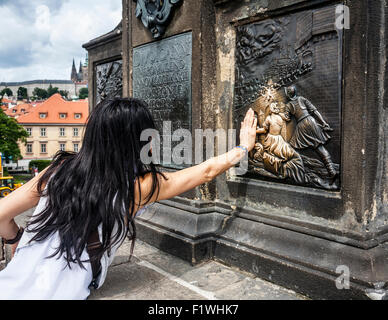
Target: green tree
{"points": [[40, 164], [6, 91], [51, 90], [22, 93], [64, 93], [83, 93], [40, 93], [10, 133]]}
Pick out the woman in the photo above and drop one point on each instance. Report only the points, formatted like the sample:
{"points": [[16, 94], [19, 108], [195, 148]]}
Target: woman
{"points": [[97, 191]]}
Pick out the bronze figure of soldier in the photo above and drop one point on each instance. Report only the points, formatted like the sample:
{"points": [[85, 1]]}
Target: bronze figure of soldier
{"points": [[308, 133]]}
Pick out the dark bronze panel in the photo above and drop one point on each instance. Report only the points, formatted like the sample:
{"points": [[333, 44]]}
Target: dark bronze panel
{"points": [[109, 80], [288, 70], [162, 78]]}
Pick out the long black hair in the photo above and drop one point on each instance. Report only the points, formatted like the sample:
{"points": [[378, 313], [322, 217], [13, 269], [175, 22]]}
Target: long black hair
{"points": [[97, 185]]}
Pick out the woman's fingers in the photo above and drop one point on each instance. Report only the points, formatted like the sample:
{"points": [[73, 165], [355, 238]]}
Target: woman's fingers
{"points": [[248, 129], [249, 124], [248, 118], [252, 119]]}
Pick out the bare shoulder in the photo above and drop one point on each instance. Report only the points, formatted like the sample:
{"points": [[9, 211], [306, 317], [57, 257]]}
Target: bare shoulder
{"points": [[147, 189]]}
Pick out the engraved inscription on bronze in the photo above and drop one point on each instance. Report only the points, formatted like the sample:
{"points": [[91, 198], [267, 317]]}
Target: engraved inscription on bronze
{"points": [[155, 14], [109, 80], [288, 70], [162, 78]]}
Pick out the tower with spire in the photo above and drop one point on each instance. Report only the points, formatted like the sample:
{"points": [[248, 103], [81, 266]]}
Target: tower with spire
{"points": [[82, 74], [85, 68], [74, 75]]}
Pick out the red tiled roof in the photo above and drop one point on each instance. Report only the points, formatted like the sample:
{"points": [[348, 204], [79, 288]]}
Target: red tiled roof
{"points": [[53, 107], [4, 100], [19, 110]]}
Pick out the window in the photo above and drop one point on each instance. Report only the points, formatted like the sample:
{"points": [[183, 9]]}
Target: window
{"points": [[75, 132], [42, 132], [29, 147], [62, 115], [75, 147], [62, 132], [6, 183], [43, 148], [29, 131], [77, 115], [42, 115], [62, 146]]}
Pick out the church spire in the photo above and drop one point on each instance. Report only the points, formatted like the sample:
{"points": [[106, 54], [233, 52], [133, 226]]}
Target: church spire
{"points": [[80, 72], [74, 76]]}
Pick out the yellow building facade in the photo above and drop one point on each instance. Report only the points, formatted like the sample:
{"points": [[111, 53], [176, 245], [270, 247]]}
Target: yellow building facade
{"points": [[54, 125], [46, 139]]}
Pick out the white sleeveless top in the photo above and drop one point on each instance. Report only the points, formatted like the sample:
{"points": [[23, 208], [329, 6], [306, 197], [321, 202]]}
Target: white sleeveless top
{"points": [[32, 276]]}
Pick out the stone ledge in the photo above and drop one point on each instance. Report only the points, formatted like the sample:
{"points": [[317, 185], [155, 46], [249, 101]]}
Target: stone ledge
{"points": [[277, 218], [298, 261]]}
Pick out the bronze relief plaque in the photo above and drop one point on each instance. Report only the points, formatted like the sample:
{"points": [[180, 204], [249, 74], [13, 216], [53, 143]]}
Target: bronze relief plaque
{"points": [[162, 78], [109, 80], [289, 71]]}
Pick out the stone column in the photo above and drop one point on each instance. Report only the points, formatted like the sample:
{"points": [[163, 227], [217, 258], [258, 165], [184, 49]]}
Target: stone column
{"points": [[311, 212], [302, 234], [187, 39], [105, 66]]}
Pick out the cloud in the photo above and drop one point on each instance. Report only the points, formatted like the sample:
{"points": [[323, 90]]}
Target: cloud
{"points": [[42, 22], [23, 9], [43, 36]]}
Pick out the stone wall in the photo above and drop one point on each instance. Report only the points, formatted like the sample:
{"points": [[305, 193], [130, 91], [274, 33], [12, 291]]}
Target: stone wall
{"points": [[72, 88], [294, 234]]}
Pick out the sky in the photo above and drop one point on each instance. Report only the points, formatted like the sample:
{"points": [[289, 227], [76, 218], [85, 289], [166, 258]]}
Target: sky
{"points": [[40, 38]]}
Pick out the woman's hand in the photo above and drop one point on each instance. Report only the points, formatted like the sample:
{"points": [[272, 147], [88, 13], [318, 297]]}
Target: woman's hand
{"points": [[248, 130]]}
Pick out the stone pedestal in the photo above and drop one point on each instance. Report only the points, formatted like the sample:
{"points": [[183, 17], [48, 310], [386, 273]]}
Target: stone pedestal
{"points": [[319, 218], [105, 66]]}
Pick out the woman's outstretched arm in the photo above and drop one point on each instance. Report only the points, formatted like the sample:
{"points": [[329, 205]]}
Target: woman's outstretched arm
{"points": [[17, 202], [181, 181]]}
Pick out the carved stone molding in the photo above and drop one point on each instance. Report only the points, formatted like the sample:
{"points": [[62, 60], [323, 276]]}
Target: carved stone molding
{"points": [[155, 14]]}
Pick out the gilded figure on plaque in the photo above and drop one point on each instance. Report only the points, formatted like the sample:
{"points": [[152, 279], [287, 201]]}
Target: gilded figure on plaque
{"points": [[278, 156]]}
